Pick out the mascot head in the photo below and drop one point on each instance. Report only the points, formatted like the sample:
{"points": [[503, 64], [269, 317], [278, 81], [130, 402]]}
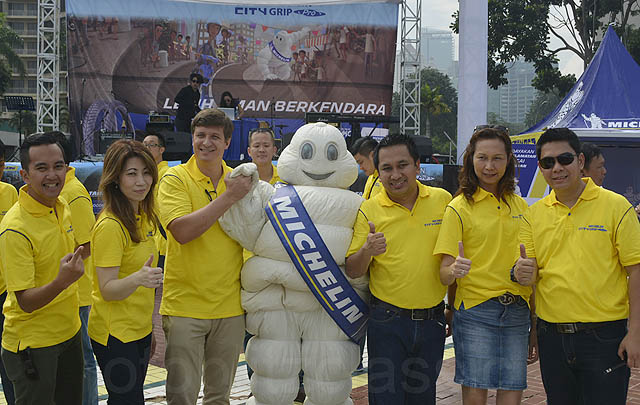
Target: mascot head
{"points": [[318, 156]]}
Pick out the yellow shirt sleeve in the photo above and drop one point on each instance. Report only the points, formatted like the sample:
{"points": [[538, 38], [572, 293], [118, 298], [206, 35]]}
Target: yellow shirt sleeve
{"points": [[450, 233], [18, 267], [526, 234], [627, 238], [110, 240], [360, 232], [82, 218], [174, 198]]}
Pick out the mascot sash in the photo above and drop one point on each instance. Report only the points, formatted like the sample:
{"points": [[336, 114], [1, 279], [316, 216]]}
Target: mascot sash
{"points": [[314, 262]]}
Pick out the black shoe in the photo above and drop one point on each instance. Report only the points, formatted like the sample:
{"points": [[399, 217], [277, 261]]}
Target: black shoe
{"points": [[301, 395]]}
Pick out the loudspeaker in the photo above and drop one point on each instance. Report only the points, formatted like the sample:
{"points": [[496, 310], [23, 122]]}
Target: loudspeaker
{"points": [[159, 126], [425, 149], [177, 145], [450, 178], [105, 139]]}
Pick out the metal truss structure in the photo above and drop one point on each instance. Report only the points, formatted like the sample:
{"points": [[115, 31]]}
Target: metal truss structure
{"points": [[410, 67], [48, 78]]}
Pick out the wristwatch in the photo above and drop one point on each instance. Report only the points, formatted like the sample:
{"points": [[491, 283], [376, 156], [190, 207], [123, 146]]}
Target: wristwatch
{"points": [[513, 274]]}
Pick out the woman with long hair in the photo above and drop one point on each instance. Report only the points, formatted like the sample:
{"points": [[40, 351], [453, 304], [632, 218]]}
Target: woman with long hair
{"points": [[123, 250], [478, 241]]}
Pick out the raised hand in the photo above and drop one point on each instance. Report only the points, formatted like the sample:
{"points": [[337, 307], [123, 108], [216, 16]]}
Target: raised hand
{"points": [[150, 277], [526, 268], [376, 243], [461, 266], [71, 268]]}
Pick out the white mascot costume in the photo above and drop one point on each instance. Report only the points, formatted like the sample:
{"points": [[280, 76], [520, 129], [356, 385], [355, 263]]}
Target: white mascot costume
{"points": [[291, 329], [274, 60]]}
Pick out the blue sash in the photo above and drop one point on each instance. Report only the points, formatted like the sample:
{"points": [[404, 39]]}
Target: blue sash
{"points": [[315, 264]]}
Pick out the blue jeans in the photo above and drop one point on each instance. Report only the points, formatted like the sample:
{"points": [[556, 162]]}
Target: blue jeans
{"points": [[7, 386], [405, 357], [90, 384], [573, 365]]}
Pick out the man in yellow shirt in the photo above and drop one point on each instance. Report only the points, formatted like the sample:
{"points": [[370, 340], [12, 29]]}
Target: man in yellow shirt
{"points": [[203, 319], [261, 149], [82, 219], [581, 248], [156, 145], [8, 197], [41, 342], [362, 150], [393, 239], [594, 163]]}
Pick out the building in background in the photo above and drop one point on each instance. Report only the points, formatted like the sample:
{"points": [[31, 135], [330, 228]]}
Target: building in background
{"points": [[511, 102], [437, 50]]}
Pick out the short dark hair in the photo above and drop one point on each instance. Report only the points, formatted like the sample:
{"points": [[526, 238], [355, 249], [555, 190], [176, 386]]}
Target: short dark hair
{"points": [[158, 135], [262, 130], [364, 146], [3, 150], [590, 151], [212, 117], [37, 139], [396, 139], [196, 76], [558, 135], [65, 144]]}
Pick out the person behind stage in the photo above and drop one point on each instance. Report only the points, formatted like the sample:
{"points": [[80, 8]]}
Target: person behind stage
{"points": [[156, 145], [362, 150], [393, 239], [124, 259], [41, 341], [203, 319], [8, 197], [188, 99], [82, 219], [593, 163], [227, 101], [581, 249], [478, 242], [262, 148]]}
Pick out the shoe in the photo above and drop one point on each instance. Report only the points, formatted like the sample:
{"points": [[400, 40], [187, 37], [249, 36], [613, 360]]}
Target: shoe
{"points": [[360, 367], [301, 395]]}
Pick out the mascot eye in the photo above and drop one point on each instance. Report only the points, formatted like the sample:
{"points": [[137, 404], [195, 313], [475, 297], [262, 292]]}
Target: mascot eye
{"points": [[306, 152], [332, 152]]}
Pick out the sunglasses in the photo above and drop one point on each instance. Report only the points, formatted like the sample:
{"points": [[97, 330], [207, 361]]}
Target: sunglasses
{"points": [[564, 159], [498, 127], [195, 81]]}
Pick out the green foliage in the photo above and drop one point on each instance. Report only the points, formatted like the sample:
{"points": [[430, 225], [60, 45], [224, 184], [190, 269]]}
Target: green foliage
{"points": [[9, 59], [28, 124], [542, 106]]}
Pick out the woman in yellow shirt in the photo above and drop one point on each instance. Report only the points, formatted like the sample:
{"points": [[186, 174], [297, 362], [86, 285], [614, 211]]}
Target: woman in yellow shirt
{"points": [[478, 241], [123, 248]]}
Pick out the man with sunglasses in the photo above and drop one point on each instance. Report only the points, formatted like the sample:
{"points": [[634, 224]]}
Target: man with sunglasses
{"points": [[581, 249], [188, 99]]}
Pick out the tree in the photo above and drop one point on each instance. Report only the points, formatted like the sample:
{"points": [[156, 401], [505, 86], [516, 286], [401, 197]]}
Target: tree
{"points": [[523, 29], [9, 59], [25, 121], [431, 103], [542, 106]]}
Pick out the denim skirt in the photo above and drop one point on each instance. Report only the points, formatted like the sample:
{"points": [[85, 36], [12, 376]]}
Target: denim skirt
{"points": [[491, 342]]}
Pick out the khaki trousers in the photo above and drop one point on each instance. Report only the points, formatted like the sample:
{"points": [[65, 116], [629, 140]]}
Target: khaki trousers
{"points": [[197, 345]]}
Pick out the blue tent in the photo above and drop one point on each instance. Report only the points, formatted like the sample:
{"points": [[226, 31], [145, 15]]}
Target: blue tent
{"points": [[605, 101]]}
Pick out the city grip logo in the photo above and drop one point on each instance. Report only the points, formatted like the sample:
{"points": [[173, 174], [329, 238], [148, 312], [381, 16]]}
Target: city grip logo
{"points": [[277, 11]]}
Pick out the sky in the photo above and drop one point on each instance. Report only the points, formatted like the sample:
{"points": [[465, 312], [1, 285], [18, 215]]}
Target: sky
{"points": [[437, 14]]}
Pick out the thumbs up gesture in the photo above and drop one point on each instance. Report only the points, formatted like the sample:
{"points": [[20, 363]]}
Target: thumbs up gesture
{"points": [[150, 277], [526, 268], [461, 265], [376, 243]]}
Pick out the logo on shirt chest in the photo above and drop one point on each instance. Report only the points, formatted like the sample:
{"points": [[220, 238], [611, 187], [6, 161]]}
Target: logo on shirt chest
{"points": [[70, 229], [150, 233], [434, 222], [600, 228]]}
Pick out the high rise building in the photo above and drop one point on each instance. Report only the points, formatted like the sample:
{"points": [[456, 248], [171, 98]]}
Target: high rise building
{"points": [[512, 101], [437, 50]]}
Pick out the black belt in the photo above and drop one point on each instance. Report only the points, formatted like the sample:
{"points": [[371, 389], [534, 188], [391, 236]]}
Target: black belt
{"points": [[415, 314], [580, 326], [508, 298]]}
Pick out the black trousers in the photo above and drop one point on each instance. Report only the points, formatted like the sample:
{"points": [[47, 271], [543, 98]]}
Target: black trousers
{"points": [[124, 368]]}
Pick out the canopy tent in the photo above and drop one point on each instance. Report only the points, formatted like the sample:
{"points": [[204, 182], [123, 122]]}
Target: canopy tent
{"points": [[603, 107]]}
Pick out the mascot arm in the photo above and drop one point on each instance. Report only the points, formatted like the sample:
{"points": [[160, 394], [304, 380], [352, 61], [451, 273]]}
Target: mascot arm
{"points": [[244, 220]]}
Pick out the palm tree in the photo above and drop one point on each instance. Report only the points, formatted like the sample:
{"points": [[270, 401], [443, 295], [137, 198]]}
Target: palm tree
{"points": [[432, 104], [9, 59]]}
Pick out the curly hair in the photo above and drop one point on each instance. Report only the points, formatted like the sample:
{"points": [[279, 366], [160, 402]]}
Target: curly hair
{"points": [[468, 179]]}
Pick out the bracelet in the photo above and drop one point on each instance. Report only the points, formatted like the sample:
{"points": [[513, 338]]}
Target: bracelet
{"points": [[513, 274]]}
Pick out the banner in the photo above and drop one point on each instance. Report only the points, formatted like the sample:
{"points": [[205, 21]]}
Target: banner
{"points": [[530, 183], [129, 57]]}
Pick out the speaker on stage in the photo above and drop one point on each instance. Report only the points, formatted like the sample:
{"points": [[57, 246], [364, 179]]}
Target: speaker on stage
{"points": [[177, 145], [105, 139], [159, 126], [425, 149]]}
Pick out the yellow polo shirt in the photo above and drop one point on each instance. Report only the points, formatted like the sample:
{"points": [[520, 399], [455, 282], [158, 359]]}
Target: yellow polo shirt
{"points": [[83, 219], [488, 229], [202, 277], [581, 253], [274, 179], [373, 186], [407, 274], [128, 319], [161, 241], [8, 197], [33, 239]]}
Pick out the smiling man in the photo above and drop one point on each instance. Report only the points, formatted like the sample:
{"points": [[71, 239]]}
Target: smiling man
{"points": [[41, 345], [203, 320], [362, 150], [393, 239], [583, 254]]}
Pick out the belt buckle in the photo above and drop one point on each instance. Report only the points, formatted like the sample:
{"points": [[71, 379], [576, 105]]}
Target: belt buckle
{"points": [[566, 328], [419, 314], [507, 298]]}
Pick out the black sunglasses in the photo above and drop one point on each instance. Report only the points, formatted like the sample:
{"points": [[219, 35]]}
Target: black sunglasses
{"points": [[498, 127], [564, 159]]}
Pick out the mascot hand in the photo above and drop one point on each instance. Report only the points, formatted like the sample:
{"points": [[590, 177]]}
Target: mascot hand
{"points": [[249, 170]]}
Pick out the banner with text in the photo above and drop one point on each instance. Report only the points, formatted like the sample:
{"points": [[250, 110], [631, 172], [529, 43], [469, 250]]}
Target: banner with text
{"points": [[129, 57]]}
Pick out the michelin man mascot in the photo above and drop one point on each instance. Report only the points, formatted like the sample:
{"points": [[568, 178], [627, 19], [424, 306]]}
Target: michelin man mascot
{"points": [[274, 59], [297, 310]]}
